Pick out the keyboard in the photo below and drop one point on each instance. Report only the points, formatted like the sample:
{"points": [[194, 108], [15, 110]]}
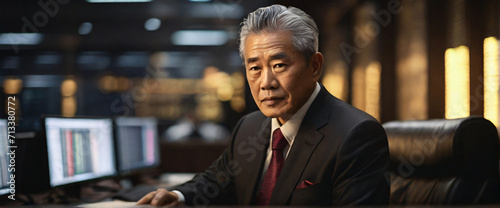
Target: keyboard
{"points": [[135, 193]]}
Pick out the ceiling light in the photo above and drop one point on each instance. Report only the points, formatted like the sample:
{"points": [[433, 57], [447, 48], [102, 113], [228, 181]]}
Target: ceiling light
{"points": [[200, 37], [20, 38], [152, 24], [85, 28], [216, 10]]}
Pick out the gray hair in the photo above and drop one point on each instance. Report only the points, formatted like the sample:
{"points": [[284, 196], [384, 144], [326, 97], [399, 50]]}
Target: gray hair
{"points": [[280, 18]]}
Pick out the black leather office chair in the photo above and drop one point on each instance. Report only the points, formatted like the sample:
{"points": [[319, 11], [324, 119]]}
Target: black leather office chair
{"points": [[443, 161]]}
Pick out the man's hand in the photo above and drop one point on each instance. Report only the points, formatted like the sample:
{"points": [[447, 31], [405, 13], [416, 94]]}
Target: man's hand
{"points": [[160, 197]]}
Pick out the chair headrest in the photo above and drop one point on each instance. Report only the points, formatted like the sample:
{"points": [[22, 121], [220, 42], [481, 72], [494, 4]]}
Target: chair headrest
{"points": [[443, 146]]}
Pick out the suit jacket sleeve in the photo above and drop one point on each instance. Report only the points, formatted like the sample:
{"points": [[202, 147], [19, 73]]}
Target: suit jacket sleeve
{"points": [[215, 185], [361, 165]]}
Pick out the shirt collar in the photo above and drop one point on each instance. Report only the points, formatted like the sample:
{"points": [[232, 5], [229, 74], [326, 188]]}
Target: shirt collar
{"points": [[291, 127]]}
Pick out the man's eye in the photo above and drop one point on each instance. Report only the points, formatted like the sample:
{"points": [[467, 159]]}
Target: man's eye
{"points": [[254, 68], [279, 65]]}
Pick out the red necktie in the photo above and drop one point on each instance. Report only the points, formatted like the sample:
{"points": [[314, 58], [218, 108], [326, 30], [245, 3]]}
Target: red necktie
{"points": [[274, 169]]}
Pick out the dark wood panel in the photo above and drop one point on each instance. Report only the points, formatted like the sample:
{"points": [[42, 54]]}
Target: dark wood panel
{"points": [[436, 35], [191, 156]]}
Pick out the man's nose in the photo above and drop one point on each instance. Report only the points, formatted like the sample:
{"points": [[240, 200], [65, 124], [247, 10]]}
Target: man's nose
{"points": [[268, 80]]}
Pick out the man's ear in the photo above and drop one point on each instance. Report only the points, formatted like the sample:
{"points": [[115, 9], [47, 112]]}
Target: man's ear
{"points": [[317, 65]]}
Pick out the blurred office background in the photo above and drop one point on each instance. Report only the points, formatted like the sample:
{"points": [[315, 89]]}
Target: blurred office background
{"points": [[178, 60]]}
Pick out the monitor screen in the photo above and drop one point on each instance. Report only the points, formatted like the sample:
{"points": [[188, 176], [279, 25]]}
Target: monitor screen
{"points": [[4, 158], [79, 149], [137, 142]]}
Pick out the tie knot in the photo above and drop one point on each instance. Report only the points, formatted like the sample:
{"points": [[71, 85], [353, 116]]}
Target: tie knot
{"points": [[279, 141]]}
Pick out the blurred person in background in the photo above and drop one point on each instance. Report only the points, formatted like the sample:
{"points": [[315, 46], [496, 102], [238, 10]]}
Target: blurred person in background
{"points": [[191, 128]]}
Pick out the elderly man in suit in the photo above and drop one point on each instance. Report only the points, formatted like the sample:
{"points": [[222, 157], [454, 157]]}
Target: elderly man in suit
{"points": [[304, 146]]}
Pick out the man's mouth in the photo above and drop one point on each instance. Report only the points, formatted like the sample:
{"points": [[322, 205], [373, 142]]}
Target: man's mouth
{"points": [[271, 100]]}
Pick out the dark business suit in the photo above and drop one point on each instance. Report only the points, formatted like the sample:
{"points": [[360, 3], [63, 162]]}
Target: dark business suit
{"points": [[341, 151]]}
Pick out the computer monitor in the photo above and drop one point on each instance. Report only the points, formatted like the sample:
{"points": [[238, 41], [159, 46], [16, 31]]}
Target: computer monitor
{"points": [[4, 158], [79, 149], [137, 143]]}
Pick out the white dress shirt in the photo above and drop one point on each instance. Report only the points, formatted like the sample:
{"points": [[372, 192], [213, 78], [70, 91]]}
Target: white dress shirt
{"points": [[289, 130]]}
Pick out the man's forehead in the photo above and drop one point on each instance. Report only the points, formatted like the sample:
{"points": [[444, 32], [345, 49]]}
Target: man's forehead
{"points": [[271, 55], [272, 51]]}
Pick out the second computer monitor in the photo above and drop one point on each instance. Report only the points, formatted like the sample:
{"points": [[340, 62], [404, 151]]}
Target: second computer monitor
{"points": [[137, 143]]}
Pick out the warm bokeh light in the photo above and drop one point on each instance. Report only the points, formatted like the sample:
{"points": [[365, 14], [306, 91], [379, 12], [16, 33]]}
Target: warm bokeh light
{"points": [[457, 100], [412, 85], [123, 84], [209, 108], [335, 80], [68, 87], [358, 88], [221, 82], [238, 100], [366, 88], [12, 86], [411, 61], [372, 100], [210, 75], [225, 91], [223, 86], [68, 107], [108, 84], [173, 86], [491, 79], [238, 104], [68, 103], [238, 80]]}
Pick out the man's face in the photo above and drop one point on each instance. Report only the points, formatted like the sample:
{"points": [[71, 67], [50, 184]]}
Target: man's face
{"points": [[280, 78]]}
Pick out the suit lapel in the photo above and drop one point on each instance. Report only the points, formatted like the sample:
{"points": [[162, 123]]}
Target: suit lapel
{"points": [[308, 137], [256, 166]]}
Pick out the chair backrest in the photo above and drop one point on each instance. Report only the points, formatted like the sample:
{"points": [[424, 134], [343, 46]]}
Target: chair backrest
{"points": [[454, 161]]}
